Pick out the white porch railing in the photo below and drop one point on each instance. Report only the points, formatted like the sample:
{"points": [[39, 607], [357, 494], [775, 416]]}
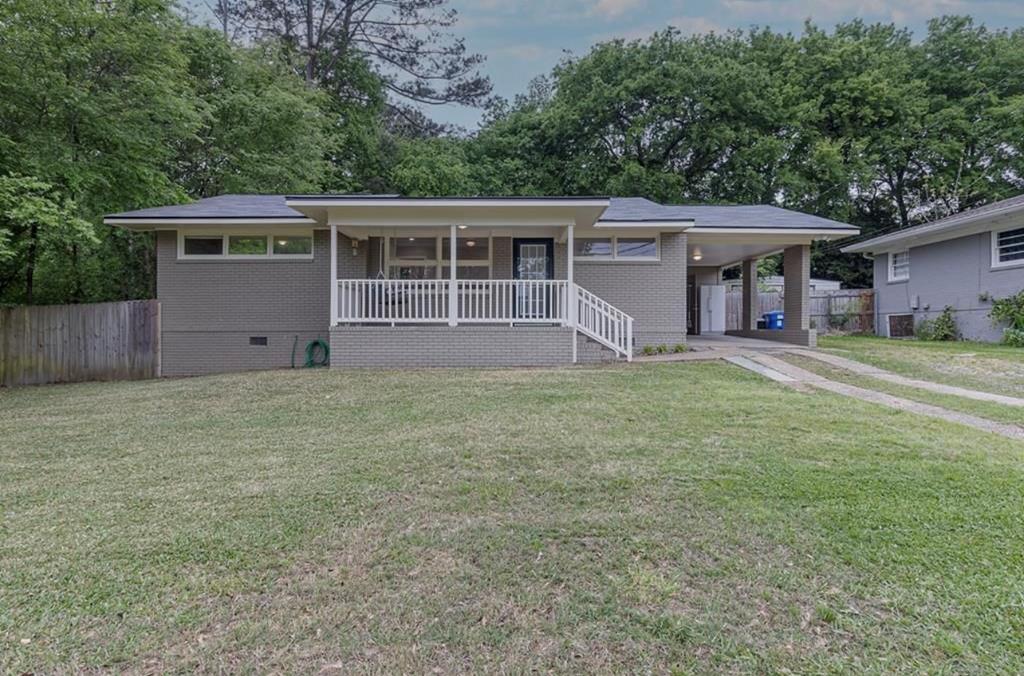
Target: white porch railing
{"points": [[492, 301], [425, 301]]}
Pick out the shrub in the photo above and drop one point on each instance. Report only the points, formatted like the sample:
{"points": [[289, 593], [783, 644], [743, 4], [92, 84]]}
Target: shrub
{"points": [[942, 327], [680, 347], [1009, 311], [663, 348], [1013, 337], [648, 350]]}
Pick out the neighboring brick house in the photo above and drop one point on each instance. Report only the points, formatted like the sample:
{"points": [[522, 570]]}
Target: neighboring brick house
{"points": [[247, 281], [964, 262]]}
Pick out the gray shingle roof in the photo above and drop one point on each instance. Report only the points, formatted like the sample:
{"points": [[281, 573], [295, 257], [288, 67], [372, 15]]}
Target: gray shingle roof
{"points": [[945, 228], [222, 206], [621, 209], [638, 209]]}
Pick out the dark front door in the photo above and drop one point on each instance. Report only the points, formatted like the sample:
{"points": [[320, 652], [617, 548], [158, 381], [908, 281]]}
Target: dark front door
{"points": [[533, 262]]}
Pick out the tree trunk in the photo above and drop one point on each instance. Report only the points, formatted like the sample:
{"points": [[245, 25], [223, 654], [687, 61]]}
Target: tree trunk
{"points": [[310, 45]]}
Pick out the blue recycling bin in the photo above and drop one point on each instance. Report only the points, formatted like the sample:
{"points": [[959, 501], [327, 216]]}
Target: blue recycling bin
{"points": [[773, 320]]}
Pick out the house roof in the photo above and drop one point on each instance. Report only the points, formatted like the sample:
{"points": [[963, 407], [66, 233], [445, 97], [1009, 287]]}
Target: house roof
{"points": [[620, 211], [638, 209], [950, 227], [223, 206]]}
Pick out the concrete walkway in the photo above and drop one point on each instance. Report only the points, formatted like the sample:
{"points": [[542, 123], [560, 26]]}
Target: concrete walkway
{"points": [[781, 371], [881, 374]]}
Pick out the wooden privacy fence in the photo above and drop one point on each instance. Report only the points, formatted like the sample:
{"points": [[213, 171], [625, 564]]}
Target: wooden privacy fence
{"points": [[847, 310], [71, 343]]}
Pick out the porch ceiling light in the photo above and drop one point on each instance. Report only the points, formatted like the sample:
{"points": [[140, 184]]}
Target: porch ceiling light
{"points": [[463, 227], [697, 256], [470, 243]]}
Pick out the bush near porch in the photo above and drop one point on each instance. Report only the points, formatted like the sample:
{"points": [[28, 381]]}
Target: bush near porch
{"points": [[643, 518]]}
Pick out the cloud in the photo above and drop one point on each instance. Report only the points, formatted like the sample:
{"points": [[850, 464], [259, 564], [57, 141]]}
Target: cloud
{"points": [[695, 25], [899, 11], [524, 52], [611, 9]]}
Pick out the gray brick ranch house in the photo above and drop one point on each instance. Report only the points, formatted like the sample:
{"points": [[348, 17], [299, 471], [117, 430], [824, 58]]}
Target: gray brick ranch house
{"points": [[391, 281], [963, 261]]}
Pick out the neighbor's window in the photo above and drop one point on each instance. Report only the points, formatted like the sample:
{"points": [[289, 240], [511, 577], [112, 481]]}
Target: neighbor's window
{"points": [[1008, 247], [247, 245], [899, 266], [204, 246], [293, 245], [616, 248]]}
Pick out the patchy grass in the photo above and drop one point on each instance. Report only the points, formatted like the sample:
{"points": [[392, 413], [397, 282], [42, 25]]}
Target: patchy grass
{"points": [[649, 518], [983, 409], [979, 366]]}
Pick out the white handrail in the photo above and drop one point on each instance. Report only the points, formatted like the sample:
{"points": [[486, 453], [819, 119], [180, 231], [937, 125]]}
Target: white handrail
{"points": [[603, 322], [425, 301]]}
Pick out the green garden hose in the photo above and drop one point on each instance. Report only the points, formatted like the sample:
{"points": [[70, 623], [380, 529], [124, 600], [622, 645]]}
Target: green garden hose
{"points": [[318, 354]]}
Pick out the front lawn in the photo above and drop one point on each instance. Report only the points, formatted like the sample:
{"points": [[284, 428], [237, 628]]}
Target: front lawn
{"points": [[642, 518], [980, 366]]}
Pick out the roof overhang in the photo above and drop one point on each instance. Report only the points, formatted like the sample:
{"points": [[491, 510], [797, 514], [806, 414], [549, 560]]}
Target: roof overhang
{"points": [[146, 224], [661, 226], [941, 231], [435, 212]]}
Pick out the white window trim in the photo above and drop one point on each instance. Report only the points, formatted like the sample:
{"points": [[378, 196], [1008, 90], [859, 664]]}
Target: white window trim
{"points": [[996, 263], [614, 257], [437, 262], [225, 256], [892, 260]]}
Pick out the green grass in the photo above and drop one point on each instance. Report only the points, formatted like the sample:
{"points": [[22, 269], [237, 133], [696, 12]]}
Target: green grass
{"points": [[649, 518], [982, 409], [980, 366]]}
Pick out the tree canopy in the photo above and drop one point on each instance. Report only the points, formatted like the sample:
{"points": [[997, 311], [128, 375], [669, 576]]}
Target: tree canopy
{"points": [[108, 106]]}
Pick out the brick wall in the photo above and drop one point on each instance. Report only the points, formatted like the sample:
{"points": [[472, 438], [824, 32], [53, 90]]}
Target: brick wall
{"points": [[436, 346], [210, 309], [653, 293]]}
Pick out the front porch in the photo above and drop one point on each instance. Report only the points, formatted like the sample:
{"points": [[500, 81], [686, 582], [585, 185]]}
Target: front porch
{"points": [[466, 294]]}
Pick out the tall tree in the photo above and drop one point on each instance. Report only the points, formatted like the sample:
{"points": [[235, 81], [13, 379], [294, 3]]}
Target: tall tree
{"points": [[260, 129], [407, 42]]}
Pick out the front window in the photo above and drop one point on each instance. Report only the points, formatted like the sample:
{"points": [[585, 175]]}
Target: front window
{"points": [[204, 246], [899, 266], [246, 246], [292, 245], [1008, 247], [429, 258], [616, 248], [593, 247]]}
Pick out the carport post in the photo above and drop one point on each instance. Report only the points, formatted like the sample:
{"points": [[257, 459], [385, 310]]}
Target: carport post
{"points": [[749, 305]]}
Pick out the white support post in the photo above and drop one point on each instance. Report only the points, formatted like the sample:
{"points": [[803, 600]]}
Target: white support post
{"points": [[334, 275], [570, 288], [453, 296]]}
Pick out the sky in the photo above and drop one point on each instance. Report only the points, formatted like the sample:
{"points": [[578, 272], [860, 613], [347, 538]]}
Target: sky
{"points": [[525, 38], [522, 39]]}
